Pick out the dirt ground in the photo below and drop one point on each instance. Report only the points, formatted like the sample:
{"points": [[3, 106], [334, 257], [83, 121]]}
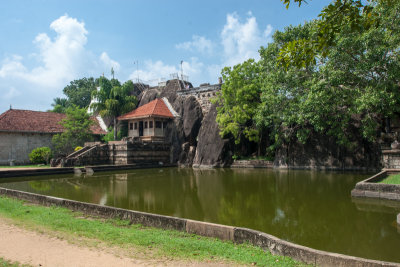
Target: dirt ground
{"points": [[41, 249]]}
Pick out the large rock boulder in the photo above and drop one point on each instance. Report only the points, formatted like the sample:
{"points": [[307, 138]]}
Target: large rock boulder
{"points": [[322, 152], [212, 150], [184, 128]]}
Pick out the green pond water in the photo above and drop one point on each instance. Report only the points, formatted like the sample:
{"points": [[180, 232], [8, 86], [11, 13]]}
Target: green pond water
{"points": [[310, 208]]}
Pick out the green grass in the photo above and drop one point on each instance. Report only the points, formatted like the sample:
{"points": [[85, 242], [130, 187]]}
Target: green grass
{"points": [[27, 166], [157, 242], [6, 263], [391, 179]]}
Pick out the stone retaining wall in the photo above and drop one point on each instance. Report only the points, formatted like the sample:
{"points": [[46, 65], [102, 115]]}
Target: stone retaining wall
{"points": [[235, 234], [372, 189], [120, 153], [252, 164]]}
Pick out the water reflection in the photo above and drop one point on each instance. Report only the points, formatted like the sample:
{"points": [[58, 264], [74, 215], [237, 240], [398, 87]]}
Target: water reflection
{"points": [[307, 207]]}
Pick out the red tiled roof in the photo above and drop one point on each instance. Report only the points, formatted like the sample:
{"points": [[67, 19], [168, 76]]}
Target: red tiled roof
{"points": [[16, 120], [155, 108]]}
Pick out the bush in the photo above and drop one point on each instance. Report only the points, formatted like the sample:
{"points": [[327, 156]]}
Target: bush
{"points": [[78, 148], [40, 155]]}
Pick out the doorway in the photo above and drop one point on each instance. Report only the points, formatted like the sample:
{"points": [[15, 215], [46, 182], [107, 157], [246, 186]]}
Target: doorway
{"points": [[140, 128]]}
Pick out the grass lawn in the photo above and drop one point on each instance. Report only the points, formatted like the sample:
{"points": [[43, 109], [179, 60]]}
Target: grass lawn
{"points": [[391, 179], [114, 232], [6, 263], [26, 166]]}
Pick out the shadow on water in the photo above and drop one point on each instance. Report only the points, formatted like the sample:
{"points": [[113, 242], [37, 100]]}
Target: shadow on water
{"points": [[311, 208]]}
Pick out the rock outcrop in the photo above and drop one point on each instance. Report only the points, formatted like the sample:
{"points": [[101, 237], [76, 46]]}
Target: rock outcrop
{"points": [[183, 132], [322, 152], [212, 150]]}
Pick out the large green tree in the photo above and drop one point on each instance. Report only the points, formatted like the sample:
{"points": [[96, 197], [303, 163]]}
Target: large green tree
{"points": [[238, 101], [76, 130], [77, 93], [344, 94], [114, 99], [341, 85]]}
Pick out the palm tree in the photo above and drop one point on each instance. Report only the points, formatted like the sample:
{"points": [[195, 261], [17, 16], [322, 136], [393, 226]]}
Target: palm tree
{"points": [[113, 99]]}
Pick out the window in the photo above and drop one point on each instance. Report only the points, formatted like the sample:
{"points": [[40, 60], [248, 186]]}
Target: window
{"points": [[135, 125], [164, 124], [131, 126], [150, 124], [145, 124], [158, 124]]}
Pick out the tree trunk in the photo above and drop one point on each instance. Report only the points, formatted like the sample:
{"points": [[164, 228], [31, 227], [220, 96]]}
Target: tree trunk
{"points": [[115, 128]]}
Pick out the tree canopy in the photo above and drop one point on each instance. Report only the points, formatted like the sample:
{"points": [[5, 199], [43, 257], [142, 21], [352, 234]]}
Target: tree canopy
{"points": [[114, 99], [77, 93], [76, 130], [337, 75]]}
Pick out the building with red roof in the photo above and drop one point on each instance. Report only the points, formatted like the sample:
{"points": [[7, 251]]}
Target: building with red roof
{"points": [[149, 121], [21, 131]]}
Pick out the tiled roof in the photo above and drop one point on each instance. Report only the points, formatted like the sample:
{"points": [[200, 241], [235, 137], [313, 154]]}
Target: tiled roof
{"points": [[16, 120], [155, 108]]}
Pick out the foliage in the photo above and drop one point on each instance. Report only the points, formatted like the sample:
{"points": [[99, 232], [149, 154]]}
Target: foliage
{"points": [[76, 130], [342, 85], [60, 105], [78, 93], [238, 101], [357, 14], [110, 135], [40, 155], [78, 148], [115, 232], [113, 99]]}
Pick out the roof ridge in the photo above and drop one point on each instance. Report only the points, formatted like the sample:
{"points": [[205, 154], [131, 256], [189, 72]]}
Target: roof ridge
{"points": [[155, 105]]}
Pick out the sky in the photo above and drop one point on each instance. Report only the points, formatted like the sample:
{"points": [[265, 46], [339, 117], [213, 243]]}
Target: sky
{"points": [[46, 44]]}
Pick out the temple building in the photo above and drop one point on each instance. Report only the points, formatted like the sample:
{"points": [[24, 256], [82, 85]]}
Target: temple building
{"points": [[149, 121]]}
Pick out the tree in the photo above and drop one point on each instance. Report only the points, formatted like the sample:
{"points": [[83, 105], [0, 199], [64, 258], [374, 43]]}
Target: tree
{"points": [[113, 99], [60, 105], [345, 94], [332, 20], [76, 130], [78, 93], [238, 101]]}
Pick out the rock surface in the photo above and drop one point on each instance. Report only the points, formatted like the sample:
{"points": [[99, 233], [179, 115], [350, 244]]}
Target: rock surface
{"points": [[183, 133], [212, 150], [322, 152]]}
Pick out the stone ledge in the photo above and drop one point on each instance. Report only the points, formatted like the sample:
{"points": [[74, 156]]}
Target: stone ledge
{"points": [[370, 187], [210, 229], [252, 164], [34, 172], [238, 235]]}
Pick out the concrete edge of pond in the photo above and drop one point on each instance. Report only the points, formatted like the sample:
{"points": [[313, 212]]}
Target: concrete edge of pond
{"points": [[8, 173], [236, 234], [371, 188]]}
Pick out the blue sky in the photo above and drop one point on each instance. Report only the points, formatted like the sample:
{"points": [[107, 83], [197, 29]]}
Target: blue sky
{"points": [[46, 44]]}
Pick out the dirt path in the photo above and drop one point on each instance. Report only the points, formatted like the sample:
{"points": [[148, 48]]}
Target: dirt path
{"points": [[28, 247]]}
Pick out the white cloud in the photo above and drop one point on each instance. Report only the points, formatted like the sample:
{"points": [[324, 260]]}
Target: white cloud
{"points": [[108, 62], [58, 61], [198, 44], [12, 93], [241, 40], [154, 72]]}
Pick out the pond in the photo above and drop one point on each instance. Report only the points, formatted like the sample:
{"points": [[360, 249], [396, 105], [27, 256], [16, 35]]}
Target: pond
{"points": [[310, 208]]}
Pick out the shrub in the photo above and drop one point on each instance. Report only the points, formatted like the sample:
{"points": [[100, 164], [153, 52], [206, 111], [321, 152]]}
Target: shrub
{"points": [[78, 148], [40, 155]]}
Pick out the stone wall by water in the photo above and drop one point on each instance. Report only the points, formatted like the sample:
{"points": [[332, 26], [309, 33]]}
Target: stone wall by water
{"points": [[120, 153]]}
